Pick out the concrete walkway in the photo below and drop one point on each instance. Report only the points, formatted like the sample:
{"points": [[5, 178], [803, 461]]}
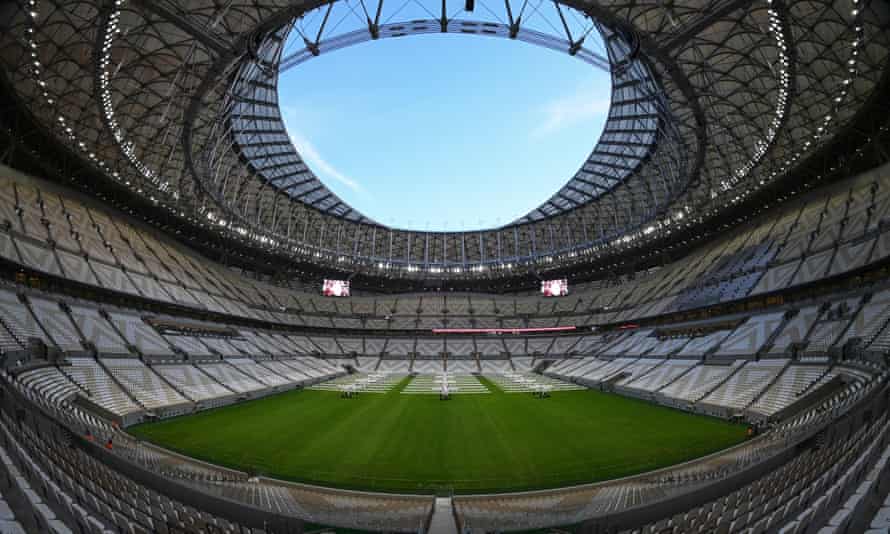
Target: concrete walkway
{"points": [[443, 517]]}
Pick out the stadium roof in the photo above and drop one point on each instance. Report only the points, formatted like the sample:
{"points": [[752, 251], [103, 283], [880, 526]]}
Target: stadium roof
{"points": [[712, 102]]}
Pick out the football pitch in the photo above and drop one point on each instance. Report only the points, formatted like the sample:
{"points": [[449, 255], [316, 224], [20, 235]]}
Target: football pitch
{"points": [[470, 444]]}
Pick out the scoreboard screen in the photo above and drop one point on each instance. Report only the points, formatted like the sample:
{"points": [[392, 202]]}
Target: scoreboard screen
{"points": [[555, 288], [335, 288]]}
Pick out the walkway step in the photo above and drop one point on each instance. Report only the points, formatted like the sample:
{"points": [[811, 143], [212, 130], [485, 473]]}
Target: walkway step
{"points": [[442, 521]]}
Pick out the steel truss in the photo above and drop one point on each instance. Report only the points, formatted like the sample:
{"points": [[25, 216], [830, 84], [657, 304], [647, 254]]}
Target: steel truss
{"points": [[713, 100]]}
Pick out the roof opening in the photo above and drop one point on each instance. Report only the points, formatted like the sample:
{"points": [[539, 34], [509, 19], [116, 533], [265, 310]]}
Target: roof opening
{"points": [[444, 132]]}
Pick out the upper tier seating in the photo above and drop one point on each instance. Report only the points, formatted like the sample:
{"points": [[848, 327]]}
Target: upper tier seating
{"points": [[819, 235]]}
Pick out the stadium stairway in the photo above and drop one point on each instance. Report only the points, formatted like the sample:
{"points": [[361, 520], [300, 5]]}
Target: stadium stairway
{"points": [[722, 381], [678, 377], [123, 387], [767, 345], [442, 521], [170, 384], [215, 379], [769, 384]]}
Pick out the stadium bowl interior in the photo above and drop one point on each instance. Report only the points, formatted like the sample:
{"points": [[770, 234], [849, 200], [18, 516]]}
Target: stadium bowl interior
{"points": [[691, 335]]}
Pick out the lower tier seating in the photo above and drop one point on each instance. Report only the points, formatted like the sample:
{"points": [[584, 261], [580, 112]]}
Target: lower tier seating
{"points": [[698, 382], [746, 384], [792, 384], [143, 383], [192, 382], [100, 386]]}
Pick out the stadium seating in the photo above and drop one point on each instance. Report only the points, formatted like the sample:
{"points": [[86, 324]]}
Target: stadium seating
{"points": [[19, 321], [750, 337], [745, 384], [700, 346], [51, 383], [699, 381], [149, 389], [53, 319], [229, 376], [258, 372], [794, 332], [662, 375], [100, 386], [123, 360], [637, 370], [794, 382], [192, 382], [824, 236], [780, 497]]}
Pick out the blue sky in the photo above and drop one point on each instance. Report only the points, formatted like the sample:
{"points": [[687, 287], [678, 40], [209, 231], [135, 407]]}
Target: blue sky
{"points": [[441, 131]]}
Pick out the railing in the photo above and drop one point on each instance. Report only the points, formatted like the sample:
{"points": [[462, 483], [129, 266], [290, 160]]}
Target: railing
{"points": [[660, 485]]}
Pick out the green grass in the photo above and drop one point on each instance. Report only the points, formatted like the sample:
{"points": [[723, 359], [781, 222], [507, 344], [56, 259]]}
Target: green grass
{"points": [[417, 443]]}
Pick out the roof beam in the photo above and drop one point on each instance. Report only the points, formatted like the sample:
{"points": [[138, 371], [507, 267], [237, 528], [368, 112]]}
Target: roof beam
{"points": [[261, 144], [607, 164], [623, 143], [309, 191], [604, 176], [275, 166], [275, 179], [616, 154], [251, 117], [587, 194], [297, 184], [595, 185], [260, 131], [214, 42], [626, 131], [701, 23]]}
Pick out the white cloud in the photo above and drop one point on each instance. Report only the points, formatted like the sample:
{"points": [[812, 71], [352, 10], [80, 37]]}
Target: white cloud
{"points": [[310, 153], [319, 165], [583, 104]]}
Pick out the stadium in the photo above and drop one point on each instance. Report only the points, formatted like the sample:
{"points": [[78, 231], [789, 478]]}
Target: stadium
{"points": [[199, 335]]}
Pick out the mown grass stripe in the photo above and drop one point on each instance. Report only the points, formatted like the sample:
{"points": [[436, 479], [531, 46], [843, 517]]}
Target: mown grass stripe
{"points": [[417, 443]]}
